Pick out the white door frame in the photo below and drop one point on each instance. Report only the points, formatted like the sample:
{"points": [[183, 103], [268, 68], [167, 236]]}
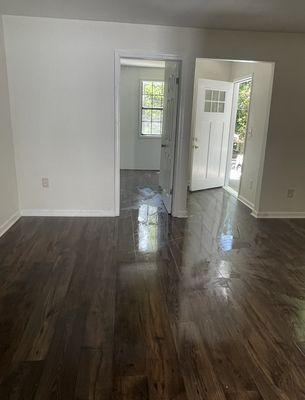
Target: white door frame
{"points": [[236, 83], [178, 141]]}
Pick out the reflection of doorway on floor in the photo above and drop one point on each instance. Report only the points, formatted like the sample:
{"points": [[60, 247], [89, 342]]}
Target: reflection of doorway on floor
{"points": [[138, 187], [240, 113]]}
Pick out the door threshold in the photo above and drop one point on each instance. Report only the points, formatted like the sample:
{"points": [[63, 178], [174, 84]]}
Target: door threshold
{"points": [[231, 191]]}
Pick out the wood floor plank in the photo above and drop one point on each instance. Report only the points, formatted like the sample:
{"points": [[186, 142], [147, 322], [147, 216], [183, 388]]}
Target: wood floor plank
{"points": [[22, 384], [147, 306]]}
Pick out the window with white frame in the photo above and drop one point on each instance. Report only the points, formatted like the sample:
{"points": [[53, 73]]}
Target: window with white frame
{"points": [[215, 101], [152, 98]]}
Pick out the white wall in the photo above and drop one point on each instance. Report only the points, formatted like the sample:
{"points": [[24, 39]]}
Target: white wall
{"points": [[137, 152], [8, 185], [258, 118], [61, 80], [213, 69], [284, 164]]}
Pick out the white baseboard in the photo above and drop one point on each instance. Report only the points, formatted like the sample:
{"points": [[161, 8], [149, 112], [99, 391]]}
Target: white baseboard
{"points": [[239, 197], [9, 223], [67, 213], [276, 214], [231, 191], [246, 202]]}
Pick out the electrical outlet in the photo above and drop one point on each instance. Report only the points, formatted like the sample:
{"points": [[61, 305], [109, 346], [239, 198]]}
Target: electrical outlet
{"points": [[45, 182], [290, 193]]}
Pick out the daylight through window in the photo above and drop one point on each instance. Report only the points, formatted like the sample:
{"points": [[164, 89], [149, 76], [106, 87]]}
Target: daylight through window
{"points": [[152, 97]]}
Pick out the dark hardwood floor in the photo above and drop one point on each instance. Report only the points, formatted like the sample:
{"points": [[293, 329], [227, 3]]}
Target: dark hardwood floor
{"points": [[146, 306]]}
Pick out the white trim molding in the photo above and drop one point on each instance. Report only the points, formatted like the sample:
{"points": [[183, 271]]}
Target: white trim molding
{"points": [[239, 197], [9, 223], [146, 55], [228, 189], [67, 213], [278, 214], [246, 202]]}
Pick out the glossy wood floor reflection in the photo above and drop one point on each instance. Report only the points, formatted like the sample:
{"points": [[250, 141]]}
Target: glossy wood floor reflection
{"points": [[146, 306]]}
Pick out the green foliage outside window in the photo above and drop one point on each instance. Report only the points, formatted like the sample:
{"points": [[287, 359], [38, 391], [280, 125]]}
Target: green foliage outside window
{"points": [[152, 107], [242, 110]]}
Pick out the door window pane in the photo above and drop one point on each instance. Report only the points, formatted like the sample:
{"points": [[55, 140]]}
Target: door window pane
{"points": [[208, 94], [221, 107], [214, 106], [207, 106], [215, 95], [215, 101], [222, 96]]}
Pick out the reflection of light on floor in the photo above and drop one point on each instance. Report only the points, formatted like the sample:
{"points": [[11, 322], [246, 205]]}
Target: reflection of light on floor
{"points": [[148, 228], [226, 242], [224, 269]]}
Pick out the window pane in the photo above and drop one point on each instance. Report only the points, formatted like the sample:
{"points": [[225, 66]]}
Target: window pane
{"points": [[222, 96], [157, 101], [207, 106], [157, 115], [215, 95], [146, 115], [208, 94], [152, 107], [147, 88], [158, 88], [147, 101], [146, 128], [156, 128], [214, 106], [221, 107]]}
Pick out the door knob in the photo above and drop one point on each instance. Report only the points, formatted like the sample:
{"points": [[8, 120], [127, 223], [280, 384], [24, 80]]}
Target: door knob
{"points": [[163, 145], [196, 147]]}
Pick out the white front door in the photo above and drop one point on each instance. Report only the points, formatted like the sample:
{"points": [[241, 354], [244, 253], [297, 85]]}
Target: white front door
{"points": [[211, 134], [171, 83]]}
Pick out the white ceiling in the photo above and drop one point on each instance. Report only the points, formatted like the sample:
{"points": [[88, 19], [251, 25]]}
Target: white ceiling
{"points": [[258, 15]]}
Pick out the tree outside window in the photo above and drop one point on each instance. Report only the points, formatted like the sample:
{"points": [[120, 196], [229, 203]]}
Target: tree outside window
{"points": [[152, 99], [242, 116]]}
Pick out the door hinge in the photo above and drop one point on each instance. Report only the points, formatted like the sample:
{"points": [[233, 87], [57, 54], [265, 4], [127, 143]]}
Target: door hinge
{"points": [[171, 191], [177, 80]]}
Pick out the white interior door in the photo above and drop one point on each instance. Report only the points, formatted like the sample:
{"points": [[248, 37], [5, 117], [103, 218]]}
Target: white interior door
{"points": [[211, 134], [171, 83]]}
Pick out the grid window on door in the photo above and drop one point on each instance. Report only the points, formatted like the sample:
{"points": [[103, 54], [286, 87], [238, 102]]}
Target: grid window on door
{"points": [[152, 99], [215, 101]]}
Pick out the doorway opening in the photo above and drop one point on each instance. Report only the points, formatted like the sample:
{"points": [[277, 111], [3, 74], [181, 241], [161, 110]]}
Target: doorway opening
{"points": [[230, 118], [238, 132], [147, 108]]}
